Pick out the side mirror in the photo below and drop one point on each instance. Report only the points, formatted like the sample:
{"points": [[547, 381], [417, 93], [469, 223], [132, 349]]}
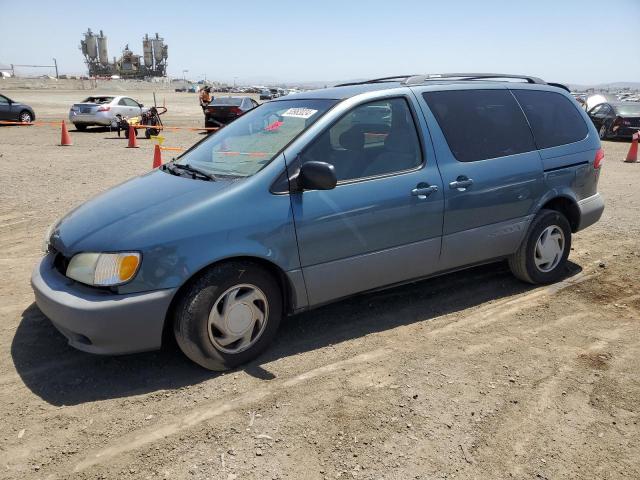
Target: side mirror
{"points": [[317, 176], [141, 105]]}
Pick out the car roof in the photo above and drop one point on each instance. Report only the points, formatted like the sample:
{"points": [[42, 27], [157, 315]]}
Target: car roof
{"points": [[344, 91]]}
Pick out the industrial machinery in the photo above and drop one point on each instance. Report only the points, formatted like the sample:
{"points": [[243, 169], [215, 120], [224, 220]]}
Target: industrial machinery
{"points": [[152, 62]]}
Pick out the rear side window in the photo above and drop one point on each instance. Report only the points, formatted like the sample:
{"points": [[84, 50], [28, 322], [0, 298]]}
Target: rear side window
{"points": [[481, 124], [553, 118]]}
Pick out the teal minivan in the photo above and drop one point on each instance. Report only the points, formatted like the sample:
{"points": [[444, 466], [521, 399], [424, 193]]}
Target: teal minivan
{"points": [[321, 195]]}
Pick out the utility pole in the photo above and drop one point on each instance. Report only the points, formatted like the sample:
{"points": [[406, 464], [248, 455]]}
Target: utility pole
{"points": [[55, 62]]}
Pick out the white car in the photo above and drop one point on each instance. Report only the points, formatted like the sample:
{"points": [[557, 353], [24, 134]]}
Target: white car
{"points": [[102, 109]]}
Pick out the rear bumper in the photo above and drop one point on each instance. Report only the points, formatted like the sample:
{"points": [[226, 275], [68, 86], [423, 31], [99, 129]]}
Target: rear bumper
{"points": [[213, 121], [98, 321], [591, 209], [100, 118]]}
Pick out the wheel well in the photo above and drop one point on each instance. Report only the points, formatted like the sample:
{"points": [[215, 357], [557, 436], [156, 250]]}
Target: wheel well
{"points": [[285, 287], [568, 208], [33, 117]]}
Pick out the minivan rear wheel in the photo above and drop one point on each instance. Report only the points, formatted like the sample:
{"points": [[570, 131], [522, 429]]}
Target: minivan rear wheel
{"points": [[543, 254], [228, 315]]}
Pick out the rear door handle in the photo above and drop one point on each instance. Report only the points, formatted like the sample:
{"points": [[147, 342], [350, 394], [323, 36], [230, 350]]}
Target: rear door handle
{"points": [[461, 183], [423, 190]]}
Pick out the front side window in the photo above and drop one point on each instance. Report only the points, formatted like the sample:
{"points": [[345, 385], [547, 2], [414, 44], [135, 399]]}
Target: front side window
{"points": [[246, 145], [376, 138], [595, 110], [480, 124], [4, 100], [554, 119]]}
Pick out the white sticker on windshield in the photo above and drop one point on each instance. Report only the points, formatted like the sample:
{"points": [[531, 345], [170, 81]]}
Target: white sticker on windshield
{"points": [[299, 112]]}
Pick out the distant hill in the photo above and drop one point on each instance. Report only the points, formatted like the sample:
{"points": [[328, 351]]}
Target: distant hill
{"points": [[607, 86]]}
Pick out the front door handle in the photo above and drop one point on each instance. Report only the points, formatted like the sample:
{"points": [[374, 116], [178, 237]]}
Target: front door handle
{"points": [[423, 190], [461, 183]]}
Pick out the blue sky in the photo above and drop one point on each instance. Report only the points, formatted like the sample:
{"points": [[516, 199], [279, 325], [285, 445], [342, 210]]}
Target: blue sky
{"points": [[572, 41]]}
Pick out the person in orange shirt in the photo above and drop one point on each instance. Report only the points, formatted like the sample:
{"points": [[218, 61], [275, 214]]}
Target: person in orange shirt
{"points": [[205, 97]]}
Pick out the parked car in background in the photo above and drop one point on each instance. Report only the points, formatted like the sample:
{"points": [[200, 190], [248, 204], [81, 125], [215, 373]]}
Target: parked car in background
{"points": [[616, 119], [102, 109], [290, 207], [10, 110], [224, 110], [266, 95]]}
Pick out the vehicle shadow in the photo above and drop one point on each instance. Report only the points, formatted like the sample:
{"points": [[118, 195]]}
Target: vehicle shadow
{"points": [[61, 375], [93, 129]]}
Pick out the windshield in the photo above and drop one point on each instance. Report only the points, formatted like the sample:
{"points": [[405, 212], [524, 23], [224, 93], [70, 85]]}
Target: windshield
{"points": [[631, 110], [249, 143], [226, 101]]}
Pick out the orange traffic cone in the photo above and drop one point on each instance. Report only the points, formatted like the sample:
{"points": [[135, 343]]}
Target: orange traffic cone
{"points": [[157, 157], [65, 138], [133, 137], [632, 156]]}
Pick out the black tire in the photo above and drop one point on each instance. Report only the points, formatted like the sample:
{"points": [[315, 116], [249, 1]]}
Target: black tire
{"points": [[603, 133], [80, 127], [25, 116], [190, 323], [522, 263]]}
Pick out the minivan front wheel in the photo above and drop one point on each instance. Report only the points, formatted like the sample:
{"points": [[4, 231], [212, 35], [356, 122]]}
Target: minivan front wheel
{"points": [[228, 315], [543, 253]]}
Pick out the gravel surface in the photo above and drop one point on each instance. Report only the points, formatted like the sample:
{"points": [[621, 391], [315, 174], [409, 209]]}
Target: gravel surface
{"points": [[470, 375]]}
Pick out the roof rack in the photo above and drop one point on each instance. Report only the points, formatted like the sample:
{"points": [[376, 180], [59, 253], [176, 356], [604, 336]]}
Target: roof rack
{"points": [[378, 80], [417, 79]]}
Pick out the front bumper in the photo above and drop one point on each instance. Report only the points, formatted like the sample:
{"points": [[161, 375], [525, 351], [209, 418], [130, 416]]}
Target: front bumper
{"points": [[99, 321], [624, 132], [591, 209]]}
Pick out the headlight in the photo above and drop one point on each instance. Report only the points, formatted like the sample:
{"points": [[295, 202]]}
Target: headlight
{"points": [[47, 236], [104, 269]]}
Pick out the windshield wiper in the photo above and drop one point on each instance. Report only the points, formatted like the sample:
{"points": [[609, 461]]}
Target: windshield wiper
{"points": [[172, 167]]}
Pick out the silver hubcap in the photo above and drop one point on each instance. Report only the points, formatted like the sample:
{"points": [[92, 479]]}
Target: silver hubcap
{"points": [[238, 318], [549, 248], [25, 117]]}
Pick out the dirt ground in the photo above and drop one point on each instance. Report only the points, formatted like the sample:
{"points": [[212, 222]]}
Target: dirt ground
{"points": [[470, 375]]}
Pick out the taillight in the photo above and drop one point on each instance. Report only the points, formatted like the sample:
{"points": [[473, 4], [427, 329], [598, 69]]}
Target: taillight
{"points": [[104, 108], [597, 163]]}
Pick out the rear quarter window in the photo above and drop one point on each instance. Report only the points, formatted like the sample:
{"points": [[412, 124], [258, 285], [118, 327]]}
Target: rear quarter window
{"points": [[481, 124], [554, 119]]}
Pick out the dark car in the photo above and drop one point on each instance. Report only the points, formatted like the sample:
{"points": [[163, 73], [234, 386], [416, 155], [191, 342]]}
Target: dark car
{"points": [[616, 119], [223, 110], [15, 111]]}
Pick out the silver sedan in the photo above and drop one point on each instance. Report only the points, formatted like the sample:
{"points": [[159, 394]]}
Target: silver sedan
{"points": [[102, 109]]}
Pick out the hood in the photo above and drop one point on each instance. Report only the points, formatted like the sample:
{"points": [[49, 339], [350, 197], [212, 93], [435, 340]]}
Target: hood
{"points": [[123, 217]]}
